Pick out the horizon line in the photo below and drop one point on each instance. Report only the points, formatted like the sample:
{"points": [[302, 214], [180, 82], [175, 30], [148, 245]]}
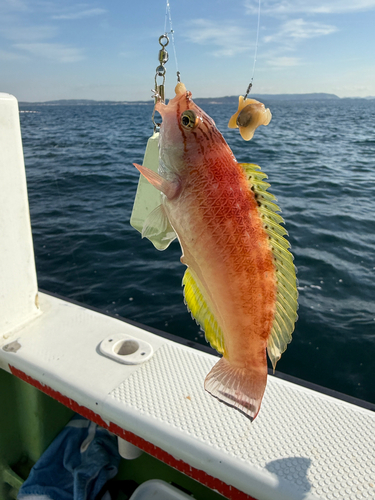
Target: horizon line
{"points": [[150, 101]]}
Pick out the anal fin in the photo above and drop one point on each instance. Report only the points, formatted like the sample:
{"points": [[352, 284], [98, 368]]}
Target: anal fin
{"points": [[196, 300]]}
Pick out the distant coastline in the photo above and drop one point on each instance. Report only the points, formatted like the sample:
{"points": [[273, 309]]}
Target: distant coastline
{"points": [[199, 100]]}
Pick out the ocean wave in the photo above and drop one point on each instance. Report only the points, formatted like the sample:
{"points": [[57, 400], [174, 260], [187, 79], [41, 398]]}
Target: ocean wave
{"points": [[320, 159]]}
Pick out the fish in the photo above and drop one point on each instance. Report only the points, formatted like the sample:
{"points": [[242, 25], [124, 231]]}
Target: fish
{"points": [[240, 281], [249, 116]]}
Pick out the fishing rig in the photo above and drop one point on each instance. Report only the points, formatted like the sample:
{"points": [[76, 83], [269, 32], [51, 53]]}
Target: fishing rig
{"points": [[159, 90], [248, 90], [148, 198], [250, 113], [163, 57], [161, 70], [249, 116]]}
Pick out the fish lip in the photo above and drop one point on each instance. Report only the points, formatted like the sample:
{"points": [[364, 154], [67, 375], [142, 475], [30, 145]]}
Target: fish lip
{"points": [[180, 97], [160, 107]]}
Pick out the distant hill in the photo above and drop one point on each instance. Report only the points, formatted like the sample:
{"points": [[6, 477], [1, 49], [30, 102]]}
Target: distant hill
{"points": [[81, 102], [198, 100], [269, 97]]}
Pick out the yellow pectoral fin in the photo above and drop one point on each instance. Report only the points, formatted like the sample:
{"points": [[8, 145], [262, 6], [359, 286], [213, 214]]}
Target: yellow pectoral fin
{"points": [[197, 305]]}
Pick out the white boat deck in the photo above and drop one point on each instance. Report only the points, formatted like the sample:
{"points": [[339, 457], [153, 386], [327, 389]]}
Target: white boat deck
{"points": [[303, 444]]}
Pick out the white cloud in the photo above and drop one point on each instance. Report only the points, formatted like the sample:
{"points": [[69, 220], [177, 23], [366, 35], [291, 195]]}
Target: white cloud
{"points": [[53, 51], [298, 29], [18, 31], [81, 14], [287, 39], [277, 7], [7, 6], [283, 62], [10, 56], [228, 38]]}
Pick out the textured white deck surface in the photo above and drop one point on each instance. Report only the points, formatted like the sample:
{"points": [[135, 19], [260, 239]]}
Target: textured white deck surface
{"points": [[321, 445], [302, 445]]}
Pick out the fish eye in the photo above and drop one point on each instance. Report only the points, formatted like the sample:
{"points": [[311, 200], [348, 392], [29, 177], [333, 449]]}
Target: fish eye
{"points": [[189, 119]]}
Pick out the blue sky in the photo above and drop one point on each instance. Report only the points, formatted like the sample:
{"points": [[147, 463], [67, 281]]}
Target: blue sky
{"points": [[107, 50]]}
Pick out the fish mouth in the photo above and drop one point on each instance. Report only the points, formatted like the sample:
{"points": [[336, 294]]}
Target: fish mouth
{"points": [[160, 107], [180, 91]]}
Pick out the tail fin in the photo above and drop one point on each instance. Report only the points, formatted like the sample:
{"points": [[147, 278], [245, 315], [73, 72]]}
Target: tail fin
{"points": [[242, 388]]}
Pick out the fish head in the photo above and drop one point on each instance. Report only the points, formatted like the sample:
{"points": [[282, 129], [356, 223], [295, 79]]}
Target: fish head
{"points": [[187, 133]]}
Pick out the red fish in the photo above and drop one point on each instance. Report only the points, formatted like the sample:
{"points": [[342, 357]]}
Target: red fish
{"points": [[240, 282]]}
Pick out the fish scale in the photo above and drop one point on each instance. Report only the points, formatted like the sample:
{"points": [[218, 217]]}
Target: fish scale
{"points": [[239, 283]]}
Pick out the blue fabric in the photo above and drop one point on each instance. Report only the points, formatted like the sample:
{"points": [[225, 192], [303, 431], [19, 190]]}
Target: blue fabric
{"points": [[76, 465]]}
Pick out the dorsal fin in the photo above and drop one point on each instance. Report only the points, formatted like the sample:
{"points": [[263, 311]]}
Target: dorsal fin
{"points": [[197, 305], [286, 301]]}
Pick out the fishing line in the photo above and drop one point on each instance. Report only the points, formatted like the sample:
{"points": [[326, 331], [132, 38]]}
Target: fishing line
{"points": [[255, 55], [168, 17], [158, 91]]}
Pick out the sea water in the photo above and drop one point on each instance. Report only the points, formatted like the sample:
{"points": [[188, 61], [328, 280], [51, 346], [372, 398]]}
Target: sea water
{"points": [[320, 159]]}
